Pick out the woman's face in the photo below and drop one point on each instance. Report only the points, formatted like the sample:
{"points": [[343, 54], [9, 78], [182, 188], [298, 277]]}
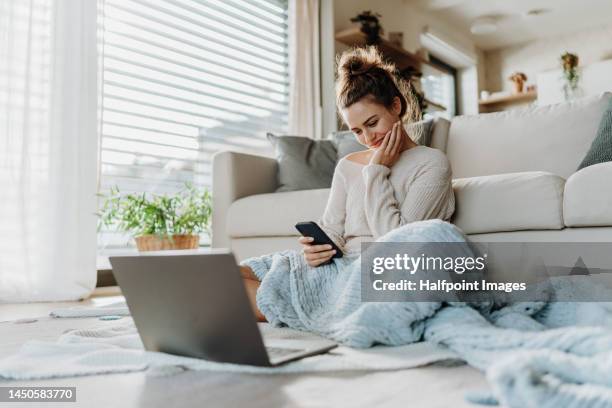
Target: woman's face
{"points": [[370, 121]]}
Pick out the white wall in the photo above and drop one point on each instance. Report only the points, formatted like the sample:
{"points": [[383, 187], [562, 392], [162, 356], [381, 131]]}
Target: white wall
{"points": [[467, 91], [542, 55], [594, 79]]}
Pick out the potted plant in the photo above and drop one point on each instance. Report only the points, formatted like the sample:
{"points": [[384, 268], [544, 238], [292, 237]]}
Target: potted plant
{"points": [[518, 79], [569, 63], [158, 222], [370, 26]]}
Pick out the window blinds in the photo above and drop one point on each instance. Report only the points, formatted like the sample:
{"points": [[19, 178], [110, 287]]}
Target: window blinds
{"points": [[183, 79]]}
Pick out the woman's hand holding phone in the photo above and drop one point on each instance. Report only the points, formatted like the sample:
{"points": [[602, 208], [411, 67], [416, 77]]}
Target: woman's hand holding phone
{"points": [[389, 150], [315, 255]]}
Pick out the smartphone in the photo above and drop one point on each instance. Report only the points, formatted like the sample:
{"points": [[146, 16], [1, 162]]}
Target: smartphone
{"points": [[311, 229]]}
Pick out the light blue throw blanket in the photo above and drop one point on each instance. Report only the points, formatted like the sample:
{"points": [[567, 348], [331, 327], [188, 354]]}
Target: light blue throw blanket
{"points": [[327, 299], [528, 363]]}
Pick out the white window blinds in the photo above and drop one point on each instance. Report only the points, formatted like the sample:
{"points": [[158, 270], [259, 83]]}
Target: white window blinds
{"points": [[183, 79]]}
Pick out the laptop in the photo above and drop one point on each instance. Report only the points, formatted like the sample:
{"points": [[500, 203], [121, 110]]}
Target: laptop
{"points": [[195, 304]]}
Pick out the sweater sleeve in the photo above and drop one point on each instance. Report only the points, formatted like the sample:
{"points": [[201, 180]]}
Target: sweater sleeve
{"points": [[334, 216], [428, 196]]}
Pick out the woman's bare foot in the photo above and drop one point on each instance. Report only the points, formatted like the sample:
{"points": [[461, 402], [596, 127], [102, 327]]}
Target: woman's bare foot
{"points": [[251, 283], [251, 286], [247, 273]]}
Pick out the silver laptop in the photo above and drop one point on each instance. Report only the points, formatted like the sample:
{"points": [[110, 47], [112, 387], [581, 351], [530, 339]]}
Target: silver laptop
{"points": [[196, 305]]}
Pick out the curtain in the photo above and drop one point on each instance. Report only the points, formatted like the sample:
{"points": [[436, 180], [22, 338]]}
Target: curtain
{"points": [[48, 149], [304, 69]]}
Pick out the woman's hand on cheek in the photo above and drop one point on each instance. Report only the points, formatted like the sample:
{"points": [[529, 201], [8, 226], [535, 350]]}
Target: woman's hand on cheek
{"points": [[388, 152]]}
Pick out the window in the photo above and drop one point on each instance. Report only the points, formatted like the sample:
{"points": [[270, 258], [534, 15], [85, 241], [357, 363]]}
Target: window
{"points": [[183, 79], [438, 83]]}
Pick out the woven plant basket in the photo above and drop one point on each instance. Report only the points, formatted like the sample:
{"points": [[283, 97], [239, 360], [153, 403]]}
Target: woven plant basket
{"points": [[155, 243]]}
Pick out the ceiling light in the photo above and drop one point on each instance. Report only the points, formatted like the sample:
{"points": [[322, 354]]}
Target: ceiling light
{"points": [[484, 25]]}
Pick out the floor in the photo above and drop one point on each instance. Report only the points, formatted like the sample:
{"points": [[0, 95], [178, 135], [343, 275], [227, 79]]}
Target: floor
{"points": [[434, 386]]}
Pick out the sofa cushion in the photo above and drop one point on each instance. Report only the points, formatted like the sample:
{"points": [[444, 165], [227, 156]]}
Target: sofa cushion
{"points": [[509, 202], [439, 134], [587, 200], [275, 214], [303, 163], [346, 143], [601, 149], [551, 138]]}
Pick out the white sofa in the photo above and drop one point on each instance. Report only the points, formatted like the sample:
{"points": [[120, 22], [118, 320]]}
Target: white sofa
{"points": [[514, 175]]}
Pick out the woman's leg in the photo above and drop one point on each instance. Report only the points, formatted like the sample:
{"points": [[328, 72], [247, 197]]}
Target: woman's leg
{"points": [[247, 273], [251, 283]]}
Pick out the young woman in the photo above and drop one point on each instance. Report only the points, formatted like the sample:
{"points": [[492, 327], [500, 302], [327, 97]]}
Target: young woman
{"points": [[392, 183]]}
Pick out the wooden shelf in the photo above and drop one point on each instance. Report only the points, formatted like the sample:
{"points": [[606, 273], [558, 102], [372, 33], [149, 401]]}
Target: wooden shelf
{"points": [[402, 58], [510, 99]]}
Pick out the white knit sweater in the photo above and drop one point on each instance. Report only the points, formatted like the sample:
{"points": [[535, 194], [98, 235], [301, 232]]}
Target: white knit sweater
{"points": [[367, 201]]}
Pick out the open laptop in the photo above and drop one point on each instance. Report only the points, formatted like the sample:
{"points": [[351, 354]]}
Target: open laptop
{"points": [[194, 304]]}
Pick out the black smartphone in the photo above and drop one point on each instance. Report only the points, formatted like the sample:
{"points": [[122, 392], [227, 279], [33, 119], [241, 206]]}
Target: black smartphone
{"points": [[311, 229]]}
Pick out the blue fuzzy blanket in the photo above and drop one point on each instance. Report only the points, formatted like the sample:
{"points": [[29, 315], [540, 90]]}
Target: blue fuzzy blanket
{"points": [[528, 363]]}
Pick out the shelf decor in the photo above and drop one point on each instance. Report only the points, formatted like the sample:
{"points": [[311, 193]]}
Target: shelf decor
{"points": [[518, 79], [370, 26], [571, 75]]}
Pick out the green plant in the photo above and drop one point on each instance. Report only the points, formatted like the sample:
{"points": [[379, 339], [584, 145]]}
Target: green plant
{"points": [[370, 26], [571, 75], [187, 212]]}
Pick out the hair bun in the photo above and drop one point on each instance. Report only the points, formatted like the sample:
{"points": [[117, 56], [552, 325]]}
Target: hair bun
{"points": [[361, 61], [362, 72], [358, 67]]}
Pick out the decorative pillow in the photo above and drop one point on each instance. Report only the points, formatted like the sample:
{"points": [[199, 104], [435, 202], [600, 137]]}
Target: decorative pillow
{"points": [[421, 132], [346, 142], [303, 163], [601, 148]]}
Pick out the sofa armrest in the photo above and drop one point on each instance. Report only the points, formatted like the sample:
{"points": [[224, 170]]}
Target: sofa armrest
{"points": [[236, 175], [587, 200]]}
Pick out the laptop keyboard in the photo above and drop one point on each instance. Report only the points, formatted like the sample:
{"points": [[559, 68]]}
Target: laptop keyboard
{"points": [[276, 352]]}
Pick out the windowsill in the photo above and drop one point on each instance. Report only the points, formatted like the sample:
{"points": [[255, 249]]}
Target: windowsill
{"points": [[103, 263], [105, 270]]}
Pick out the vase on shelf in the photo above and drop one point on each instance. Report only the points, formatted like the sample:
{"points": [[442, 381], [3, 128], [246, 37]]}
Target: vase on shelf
{"points": [[518, 82], [518, 87], [571, 92], [571, 76]]}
